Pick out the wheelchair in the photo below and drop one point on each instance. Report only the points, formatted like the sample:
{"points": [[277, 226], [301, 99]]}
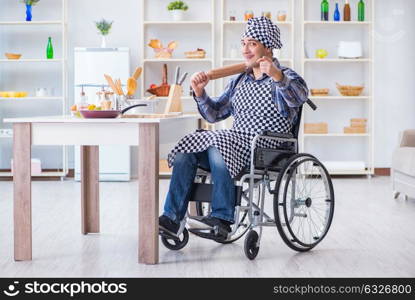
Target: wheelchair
{"points": [[302, 192]]}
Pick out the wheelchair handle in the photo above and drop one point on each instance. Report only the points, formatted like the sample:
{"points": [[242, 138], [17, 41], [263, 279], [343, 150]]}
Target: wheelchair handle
{"points": [[311, 104]]}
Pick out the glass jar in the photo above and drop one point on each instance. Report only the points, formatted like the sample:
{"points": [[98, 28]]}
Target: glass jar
{"points": [[232, 15], [281, 16], [266, 14], [249, 14]]}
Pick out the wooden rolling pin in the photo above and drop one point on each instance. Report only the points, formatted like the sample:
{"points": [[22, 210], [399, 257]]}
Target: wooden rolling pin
{"points": [[237, 69], [226, 71]]}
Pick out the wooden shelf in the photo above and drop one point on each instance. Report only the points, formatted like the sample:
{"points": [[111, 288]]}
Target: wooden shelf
{"points": [[338, 60], [31, 60], [31, 98], [339, 97], [288, 23], [31, 23], [336, 23], [178, 60], [336, 134], [177, 23]]}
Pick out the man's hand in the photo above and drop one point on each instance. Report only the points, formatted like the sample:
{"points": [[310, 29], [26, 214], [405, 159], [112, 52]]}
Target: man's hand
{"points": [[267, 66], [198, 81]]}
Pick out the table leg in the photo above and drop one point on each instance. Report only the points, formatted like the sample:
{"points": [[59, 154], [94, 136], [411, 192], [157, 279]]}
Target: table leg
{"points": [[22, 141], [90, 189], [148, 193]]}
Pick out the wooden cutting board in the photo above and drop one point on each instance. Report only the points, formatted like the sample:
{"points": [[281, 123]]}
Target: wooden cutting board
{"points": [[156, 116]]}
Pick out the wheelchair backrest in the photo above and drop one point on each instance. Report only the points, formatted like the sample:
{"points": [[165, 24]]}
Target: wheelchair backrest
{"points": [[296, 127]]}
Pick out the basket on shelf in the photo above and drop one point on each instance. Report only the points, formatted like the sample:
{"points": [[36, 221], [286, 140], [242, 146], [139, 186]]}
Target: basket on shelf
{"points": [[350, 90], [199, 53], [319, 92], [163, 89], [12, 55]]}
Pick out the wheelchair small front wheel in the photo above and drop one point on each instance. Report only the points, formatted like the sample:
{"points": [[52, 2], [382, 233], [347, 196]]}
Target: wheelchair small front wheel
{"points": [[250, 247], [303, 202], [176, 243]]}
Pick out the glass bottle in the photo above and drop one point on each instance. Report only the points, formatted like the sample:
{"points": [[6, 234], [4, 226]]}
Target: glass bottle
{"points": [[346, 11], [336, 16], [361, 11], [49, 49], [324, 10]]}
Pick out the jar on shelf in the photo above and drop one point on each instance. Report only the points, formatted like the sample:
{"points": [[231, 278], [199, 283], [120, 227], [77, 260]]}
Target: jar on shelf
{"points": [[249, 14], [281, 16], [266, 14], [232, 15]]}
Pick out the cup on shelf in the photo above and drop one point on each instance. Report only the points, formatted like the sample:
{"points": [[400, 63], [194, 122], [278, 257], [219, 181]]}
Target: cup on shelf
{"points": [[41, 92], [281, 16]]}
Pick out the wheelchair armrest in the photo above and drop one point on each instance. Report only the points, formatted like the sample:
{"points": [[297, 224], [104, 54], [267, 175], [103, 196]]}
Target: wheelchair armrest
{"points": [[277, 134]]}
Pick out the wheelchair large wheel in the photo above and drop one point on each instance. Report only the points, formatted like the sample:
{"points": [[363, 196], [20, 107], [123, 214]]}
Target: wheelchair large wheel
{"points": [[303, 202]]}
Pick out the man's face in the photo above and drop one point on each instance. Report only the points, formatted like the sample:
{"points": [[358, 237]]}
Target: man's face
{"points": [[252, 50]]}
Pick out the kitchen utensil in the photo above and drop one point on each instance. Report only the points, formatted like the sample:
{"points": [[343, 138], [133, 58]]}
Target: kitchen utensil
{"points": [[107, 114], [137, 73], [236, 69], [119, 87], [12, 55], [111, 84], [164, 88], [131, 86], [176, 76], [349, 49], [182, 78]]}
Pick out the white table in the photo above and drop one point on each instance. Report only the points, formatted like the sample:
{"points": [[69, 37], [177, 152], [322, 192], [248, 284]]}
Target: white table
{"points": [[90, 134]]}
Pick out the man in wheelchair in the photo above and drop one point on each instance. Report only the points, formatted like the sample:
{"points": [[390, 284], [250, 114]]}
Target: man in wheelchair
{"points": [[267, 97]]}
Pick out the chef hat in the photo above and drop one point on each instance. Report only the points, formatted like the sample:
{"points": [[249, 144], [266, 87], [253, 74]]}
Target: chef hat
{"points": [[263, 30]]}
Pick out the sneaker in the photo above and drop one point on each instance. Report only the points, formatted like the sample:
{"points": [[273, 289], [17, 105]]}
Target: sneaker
{"points": [[167, 224], [212, 222]]}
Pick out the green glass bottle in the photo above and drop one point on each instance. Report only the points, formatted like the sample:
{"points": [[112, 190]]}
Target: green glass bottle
{"points": [[361, 11], [324, 10], [49, 49]]}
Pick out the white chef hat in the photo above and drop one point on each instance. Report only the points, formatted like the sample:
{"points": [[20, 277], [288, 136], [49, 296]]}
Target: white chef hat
{"points": [[263, 30]]}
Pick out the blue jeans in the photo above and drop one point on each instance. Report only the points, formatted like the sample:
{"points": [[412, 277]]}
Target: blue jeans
{"points": [[184, 171]]}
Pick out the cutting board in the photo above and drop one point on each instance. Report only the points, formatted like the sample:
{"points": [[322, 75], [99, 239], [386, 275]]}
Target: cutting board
{"points": [[156, 116]]}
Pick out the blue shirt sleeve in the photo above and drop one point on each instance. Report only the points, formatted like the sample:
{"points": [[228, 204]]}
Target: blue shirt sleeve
{"points": [[290, 93], [217, 108]]}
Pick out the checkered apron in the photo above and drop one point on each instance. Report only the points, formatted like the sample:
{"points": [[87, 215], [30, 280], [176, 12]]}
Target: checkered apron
{"points": [[254, 112]]}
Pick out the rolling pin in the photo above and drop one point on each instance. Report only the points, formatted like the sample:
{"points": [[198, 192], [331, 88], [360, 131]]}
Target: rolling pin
{"points": [[226, 71], [237, 69]]}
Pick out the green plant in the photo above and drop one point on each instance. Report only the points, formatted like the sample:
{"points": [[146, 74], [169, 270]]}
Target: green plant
{"points": [[104, 26], [30, 2], [177, 5]]}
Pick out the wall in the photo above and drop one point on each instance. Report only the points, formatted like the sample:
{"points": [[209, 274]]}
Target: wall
{"points": [[395, 66]]}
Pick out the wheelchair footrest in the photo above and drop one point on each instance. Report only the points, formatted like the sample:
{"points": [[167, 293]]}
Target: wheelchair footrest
{"points": [[216, 233], [168, 235]]}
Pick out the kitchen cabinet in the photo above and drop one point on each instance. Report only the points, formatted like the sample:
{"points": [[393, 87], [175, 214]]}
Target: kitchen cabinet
{"points": [[31, 72]]}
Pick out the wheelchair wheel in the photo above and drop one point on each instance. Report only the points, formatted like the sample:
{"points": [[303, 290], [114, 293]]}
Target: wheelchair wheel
{"points": [[303, 202], [176, 243], [250, 246]]}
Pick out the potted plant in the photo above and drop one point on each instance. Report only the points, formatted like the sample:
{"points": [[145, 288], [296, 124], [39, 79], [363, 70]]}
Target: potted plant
{"points": [[177, 9], [29, 4], [104, 28]]}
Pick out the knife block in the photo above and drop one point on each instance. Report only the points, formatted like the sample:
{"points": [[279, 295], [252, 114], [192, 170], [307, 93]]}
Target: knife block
{"points": [[174, 100]]}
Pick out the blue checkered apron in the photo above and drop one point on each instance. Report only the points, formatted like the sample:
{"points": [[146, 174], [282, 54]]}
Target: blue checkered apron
{"points": [[254, 111]]}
